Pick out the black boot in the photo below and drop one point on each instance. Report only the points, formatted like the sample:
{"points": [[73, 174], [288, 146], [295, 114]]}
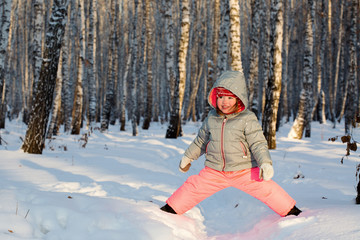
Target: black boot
{"points": [[294, 211], [167, 208]]}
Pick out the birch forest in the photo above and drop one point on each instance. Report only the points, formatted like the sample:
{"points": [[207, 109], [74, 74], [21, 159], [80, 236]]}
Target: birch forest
{"points": [[72, 65]]}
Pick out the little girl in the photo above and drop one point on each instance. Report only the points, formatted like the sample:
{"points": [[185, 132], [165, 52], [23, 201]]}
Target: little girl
{"points": [[236, 153]]}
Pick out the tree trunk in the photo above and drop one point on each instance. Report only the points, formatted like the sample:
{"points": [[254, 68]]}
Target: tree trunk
{"points": [[337, 63], [124, 96], [149, 56], [92, 69], [35, 134], [235, 36], [110, 86], [222, 59], [214, 54], [317, 110], [37, 41], [4, 39], [352, 96], [133, 81], [57, 100], [254, 60], [169, 54], [265, 53], [273, 88], [304, 113], [174, 129], [79, 91]]}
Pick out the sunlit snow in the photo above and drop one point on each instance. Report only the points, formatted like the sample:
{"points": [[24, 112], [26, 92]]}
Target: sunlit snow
{"points": [[113, 187]]}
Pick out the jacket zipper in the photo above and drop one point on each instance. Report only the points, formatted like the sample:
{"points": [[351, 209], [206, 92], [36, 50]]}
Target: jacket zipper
{"points": [[222, 142]]}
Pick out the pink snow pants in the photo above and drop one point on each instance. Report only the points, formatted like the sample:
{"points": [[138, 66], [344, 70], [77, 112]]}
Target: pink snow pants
{"points": [[209, 181]]}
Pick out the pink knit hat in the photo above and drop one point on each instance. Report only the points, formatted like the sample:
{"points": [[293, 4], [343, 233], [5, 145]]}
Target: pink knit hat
{"points": [[220, 92]]}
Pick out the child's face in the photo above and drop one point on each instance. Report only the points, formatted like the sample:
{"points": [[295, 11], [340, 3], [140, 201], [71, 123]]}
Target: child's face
{"points": [[226, 104]]}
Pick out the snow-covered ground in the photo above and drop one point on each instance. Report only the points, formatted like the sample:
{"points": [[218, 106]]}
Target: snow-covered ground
{"points": [[113, 187]]}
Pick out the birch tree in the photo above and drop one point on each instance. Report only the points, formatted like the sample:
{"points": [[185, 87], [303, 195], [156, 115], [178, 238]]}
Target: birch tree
{"points": [[77, 110], [265, 51], [35, 134], [254, 58], [169, 53], [283, 111], [13, 73], [124, 94], [57, 100], [174, 128], [126, 69], [211, 74], [305, 105], [333, 89], [328, 65], [196, 59], [37, 41], [351, 101], [319, 105], [4, 39], [149, 56], [110, 83], [273, 88], [222, 62], [92, 69], [67, 53], [133, 81], [235, 41]]}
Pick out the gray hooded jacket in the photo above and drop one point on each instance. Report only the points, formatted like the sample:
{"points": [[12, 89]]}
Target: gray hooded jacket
{"points": [[230, 142]]}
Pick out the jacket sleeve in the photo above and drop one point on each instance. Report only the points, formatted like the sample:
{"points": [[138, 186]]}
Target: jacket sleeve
{"points": [[198, 146], [256, 140]]}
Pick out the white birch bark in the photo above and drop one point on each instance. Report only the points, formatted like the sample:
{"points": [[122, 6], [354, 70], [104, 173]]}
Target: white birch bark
{"points": [[273, 88], [169, 55], [254, 59], [174, 129], [35, 134], [4, 40], [133, 81], [211, 67], [235, 36], [125, 95], [333, 93], [222, 62], [305, 105], [265, 55], [57, 99], [352, 96], [92, 69], [320, 58], [67, 66], [37, 39], [79, 92], [149, 56], [110, 84], [183, 49]]}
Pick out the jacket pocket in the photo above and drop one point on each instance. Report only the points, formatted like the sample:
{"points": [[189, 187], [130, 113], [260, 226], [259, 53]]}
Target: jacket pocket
{"points": [[206, 148], [244, 149]]}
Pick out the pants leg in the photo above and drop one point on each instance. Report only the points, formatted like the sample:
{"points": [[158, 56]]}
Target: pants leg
{"points": [[196, 188], [269, 192]]}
